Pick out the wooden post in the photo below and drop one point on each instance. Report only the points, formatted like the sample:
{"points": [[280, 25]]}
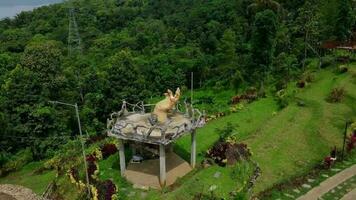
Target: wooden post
{"points": [[122, 157], [162, 165], [193, 150]]}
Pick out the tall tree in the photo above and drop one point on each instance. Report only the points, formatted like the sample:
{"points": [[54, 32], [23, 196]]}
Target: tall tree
{"points": [[344, 20], [226, 53], [263, 42]]}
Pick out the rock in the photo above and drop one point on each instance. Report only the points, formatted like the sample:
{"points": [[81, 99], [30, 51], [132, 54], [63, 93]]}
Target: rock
{"points": [[306, 186], [17, 192], [212, 188], [289, 195], [296, 191], [325, 175], [217, 174], [310, 180]]}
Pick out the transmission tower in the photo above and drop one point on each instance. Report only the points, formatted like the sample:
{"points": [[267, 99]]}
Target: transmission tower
{"points": [[74, 41]]}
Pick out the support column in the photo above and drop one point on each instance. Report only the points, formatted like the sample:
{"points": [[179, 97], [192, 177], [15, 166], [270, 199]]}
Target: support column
{"points": [[193, 150], [122, 157], [162, 165]]}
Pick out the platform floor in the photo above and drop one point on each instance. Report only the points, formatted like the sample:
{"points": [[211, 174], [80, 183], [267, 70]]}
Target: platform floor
{"points": [[146, 174]]}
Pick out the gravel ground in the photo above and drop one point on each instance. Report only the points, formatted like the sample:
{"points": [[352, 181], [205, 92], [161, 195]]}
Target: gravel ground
{"points": [[16, 192]]}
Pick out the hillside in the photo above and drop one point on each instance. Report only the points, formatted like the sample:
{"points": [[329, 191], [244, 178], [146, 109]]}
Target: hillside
{"points": [[261, 70], [286, 143]]}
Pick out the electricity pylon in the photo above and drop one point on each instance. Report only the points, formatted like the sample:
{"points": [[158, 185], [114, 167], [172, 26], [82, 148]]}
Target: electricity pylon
{"points": [[74, 41]]}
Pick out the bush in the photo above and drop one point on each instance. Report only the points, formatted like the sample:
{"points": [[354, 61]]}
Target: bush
{"points": [[282, 99], [226, 153], [106, 190], [342, 69], [301, 84], [336, 95], [226, 131], [327, 61], [108, 149], [17, 162]]}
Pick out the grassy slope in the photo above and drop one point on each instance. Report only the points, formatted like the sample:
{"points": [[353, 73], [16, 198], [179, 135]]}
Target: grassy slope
{"points": [[298, 137], [27, 178]]}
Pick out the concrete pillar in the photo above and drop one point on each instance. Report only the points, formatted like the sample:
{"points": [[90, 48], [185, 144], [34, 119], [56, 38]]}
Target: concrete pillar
{"points": [[193, 150], [122, 157], [162, 165]]}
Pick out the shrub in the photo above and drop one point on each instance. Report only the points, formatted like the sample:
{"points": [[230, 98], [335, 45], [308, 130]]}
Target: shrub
{"points": [[342, 69], [108, 149], [17, 162], [106, 190], [282, 99], [301, 84], [205, 100], [327, 61], [226, 131], [343, 59], [225, 153], [336, 95]]}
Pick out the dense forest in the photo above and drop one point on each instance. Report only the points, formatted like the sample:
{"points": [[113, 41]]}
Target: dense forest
{"points": [[136, 49]]}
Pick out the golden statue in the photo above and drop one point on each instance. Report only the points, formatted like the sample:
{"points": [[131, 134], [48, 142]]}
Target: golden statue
{"points": [[166, 106]]}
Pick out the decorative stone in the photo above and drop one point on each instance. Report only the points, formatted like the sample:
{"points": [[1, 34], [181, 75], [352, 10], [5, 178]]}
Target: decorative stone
{"points": [[212, 188], [325, 175], [289, 195], [311, 180], [217, 174]]}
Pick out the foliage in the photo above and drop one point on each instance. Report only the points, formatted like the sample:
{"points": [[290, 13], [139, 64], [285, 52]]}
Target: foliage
{"points": [[135, 50], [17, 162], [336, 95], [226, 131], [342, 69]]}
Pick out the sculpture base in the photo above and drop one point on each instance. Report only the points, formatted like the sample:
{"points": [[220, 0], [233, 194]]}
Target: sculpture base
{"points": [[146, 173]]}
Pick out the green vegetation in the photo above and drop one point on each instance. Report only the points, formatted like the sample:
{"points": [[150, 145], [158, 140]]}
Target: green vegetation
{"points": [[29, 178], [135, 50]]}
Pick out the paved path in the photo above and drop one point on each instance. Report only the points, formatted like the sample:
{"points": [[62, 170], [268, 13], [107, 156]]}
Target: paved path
{"points": [[329, 184], [16, 192], [350, 196]]}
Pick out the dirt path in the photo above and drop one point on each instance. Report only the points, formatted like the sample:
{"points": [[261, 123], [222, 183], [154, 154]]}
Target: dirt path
{"points": [[16, 192], [329, 184], [350, 196]]}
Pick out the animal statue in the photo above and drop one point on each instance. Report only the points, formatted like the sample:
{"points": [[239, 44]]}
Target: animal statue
{"points": [[165, 106]]}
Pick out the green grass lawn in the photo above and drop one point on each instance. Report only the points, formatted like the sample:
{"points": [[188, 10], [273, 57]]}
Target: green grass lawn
{"points": [[27, 178]]}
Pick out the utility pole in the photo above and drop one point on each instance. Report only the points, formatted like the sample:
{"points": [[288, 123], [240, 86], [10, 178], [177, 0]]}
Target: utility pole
{"points": [[343, 143], [191, 87], [81, 139]]}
